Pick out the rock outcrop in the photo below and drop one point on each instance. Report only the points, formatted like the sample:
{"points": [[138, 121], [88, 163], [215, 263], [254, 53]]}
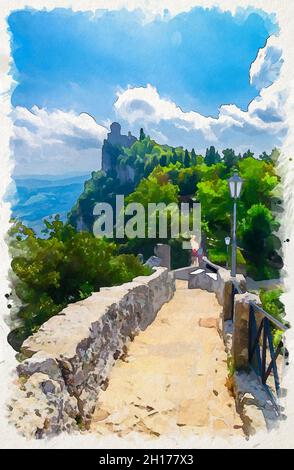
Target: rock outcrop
{"points": [[69, 358]]}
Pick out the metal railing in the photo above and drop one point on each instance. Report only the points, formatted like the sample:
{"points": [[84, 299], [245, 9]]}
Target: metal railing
{"points": [[261, 346], [209, 266], [263, 354]]}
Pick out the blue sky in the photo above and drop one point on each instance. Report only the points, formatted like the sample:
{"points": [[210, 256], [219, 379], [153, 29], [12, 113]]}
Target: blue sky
{"points": [[199, 59], [80, 63]]}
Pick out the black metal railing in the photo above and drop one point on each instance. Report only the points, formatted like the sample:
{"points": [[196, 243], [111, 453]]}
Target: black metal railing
{"points": [[209, 266], [262, 353]]}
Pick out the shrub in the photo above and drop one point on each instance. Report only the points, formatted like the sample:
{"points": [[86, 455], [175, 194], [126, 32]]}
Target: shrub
{"points": [[272, 304], [66, 266]]}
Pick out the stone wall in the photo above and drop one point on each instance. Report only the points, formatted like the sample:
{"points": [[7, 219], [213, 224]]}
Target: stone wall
{"points": [[219, 281], [252, 402], [183, 273], [70, 357], [255, 406], [241, 329]]}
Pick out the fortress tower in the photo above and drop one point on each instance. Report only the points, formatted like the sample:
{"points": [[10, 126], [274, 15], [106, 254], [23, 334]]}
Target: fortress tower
{"points": [[114, 138]]}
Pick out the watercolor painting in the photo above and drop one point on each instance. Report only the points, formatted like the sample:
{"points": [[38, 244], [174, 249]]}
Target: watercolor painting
{"points": [[146, 297]]}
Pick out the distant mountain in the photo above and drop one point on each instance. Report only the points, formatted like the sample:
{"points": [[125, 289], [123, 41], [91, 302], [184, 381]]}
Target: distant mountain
{"points": [[38, 197]]}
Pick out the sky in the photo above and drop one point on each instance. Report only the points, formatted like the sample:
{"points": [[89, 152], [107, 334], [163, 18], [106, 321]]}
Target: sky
{"points": [[196, 79]]}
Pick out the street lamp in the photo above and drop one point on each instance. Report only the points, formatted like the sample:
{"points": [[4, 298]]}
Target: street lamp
{"points": [[227, 242], [235, 185]]}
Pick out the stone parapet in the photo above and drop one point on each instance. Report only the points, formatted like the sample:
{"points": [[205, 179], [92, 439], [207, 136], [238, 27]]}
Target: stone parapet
{"points": [[241, 329], [70, 357], [219, 282]]}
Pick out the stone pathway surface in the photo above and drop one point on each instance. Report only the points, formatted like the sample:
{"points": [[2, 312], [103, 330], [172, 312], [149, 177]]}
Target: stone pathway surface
{"points": [[173, 379]]}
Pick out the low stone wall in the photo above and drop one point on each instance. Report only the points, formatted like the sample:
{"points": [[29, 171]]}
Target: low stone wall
{"points": [[200, 279], [70, 357], [241, 329], [183, 273]]}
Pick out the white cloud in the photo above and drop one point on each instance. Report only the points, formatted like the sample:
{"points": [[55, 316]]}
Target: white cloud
{"points": [[143, 104], [55, 141], [260, 127], [59, 142], [267, 65]]}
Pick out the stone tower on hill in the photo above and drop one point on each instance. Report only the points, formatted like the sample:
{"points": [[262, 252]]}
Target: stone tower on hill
{"points": [[114, 137]]}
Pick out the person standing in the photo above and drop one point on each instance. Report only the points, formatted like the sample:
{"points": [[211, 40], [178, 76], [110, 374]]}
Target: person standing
{"points": [[195, 247], [200, 255]]}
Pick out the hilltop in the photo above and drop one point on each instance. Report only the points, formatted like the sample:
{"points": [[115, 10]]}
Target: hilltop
{"points": [[145, 171], [125, 161]]}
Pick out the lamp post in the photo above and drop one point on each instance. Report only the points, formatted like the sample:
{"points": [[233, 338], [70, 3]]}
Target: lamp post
{"points": [[235, 185], [227, 242]]}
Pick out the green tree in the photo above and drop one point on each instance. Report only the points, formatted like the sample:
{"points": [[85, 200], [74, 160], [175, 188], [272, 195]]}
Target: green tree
{"points": [[193, 157], [248, 154], [271, 302], [163, 160], [186, 159], [229, 158], [265, 157], [174, 157], [186, 179], [215, 204], [157, 188], [260, 181], [49, 273], [211, 156], [258, 241]]}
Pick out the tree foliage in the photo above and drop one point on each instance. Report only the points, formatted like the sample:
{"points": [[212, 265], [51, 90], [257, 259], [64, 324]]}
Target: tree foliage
{"points": [[211, 156], [258, 240], [157, 188], [68, 262], [257, 224], [66, 266], [272, 303], [205, 180]]}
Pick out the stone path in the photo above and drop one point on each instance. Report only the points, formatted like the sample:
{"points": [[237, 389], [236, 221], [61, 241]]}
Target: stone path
{"points": [[173, 379]]}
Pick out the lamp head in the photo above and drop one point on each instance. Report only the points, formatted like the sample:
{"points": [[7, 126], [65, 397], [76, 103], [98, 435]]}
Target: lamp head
{"points": [[235, 185], [227, 240]]}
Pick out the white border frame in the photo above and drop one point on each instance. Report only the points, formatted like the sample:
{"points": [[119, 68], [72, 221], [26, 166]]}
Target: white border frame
{"points": [[284, 11]]}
